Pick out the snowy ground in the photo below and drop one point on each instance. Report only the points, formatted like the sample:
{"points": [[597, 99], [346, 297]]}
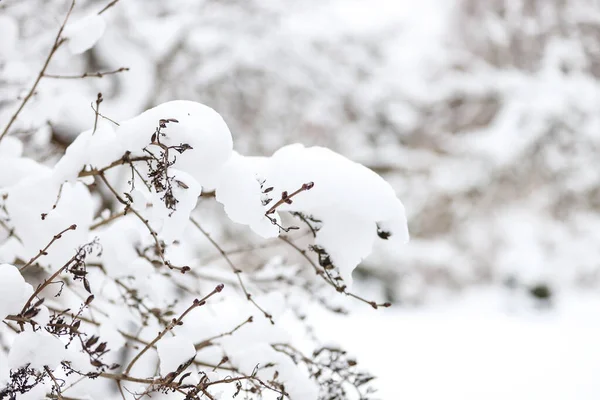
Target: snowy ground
{"points": [[476, 348]]}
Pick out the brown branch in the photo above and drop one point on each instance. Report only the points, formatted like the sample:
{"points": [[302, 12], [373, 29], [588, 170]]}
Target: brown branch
{"points": [[287, 198], [327, 277], [46, 282], [44, 251], [100, 74], [59, 395], [208, 342], [109, 5], [107, 220], [174, 323], [58, 41], [235, 270], [126, 159]]}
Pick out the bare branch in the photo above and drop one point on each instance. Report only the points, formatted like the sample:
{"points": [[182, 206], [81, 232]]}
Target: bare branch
{"points": [[58, 41]]}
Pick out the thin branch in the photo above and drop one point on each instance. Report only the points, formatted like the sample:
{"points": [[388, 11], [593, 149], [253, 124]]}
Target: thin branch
{"points": [[126, 159], [107, 220], [109, 5], [59, 395], [58, 41], [208, 342], [100, 74], [327, 277], [46, 282], [44, 251], [235, 270], [174, 323]]}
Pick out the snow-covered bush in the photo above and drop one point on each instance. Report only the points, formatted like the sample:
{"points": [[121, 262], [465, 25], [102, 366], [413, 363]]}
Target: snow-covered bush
{"points": [[106, 290]]}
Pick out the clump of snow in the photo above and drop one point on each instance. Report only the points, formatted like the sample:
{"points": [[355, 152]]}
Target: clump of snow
{"points": [[10, 146], [83, 34], [30, 205], [14, 167], [38, 349], [14, 291], [174, 352], [98, 148], [352, 202], [239, 190], [197, 125]]}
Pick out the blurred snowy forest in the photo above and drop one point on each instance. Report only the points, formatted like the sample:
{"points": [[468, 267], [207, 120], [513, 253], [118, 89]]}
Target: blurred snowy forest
{"points": [[484, 116]]}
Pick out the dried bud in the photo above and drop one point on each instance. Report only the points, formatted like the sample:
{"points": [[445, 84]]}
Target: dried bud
{"points": [[219, 287], [101, 347], [308, 186]]}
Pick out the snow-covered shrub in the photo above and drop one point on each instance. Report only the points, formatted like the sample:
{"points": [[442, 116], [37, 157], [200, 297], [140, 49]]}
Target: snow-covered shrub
{"points": [[105, 287]]}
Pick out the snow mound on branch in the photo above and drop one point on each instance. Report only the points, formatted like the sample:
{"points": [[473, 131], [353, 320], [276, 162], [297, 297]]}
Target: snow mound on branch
{"points": [[239, 190], [14, 168], [352, 202], [38, 349], [14, 291], [197, 125], [171, 224], [83, 34], [98, 148], [196, 165], [174, 352], [34, 197]]}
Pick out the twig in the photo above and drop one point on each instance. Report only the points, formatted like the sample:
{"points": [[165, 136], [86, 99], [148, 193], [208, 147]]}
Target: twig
{"points": [[99, 100], [58, 41], [208, 341], [59, 395], [174, 323], [327, 277], [126, 159], [99, 74], [235, 270], [109, 5], [107, 220], [44, 251], [46, 282]]}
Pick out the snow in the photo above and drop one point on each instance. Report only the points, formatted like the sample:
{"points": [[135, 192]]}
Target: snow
{"points": [[9, 32], [350, 200], [14, 291], [32, 197], [198, 125], [241, 195], [483, 120], [83, 34], [173, 352], [38, 349], [170, 225], [472, 349]]}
